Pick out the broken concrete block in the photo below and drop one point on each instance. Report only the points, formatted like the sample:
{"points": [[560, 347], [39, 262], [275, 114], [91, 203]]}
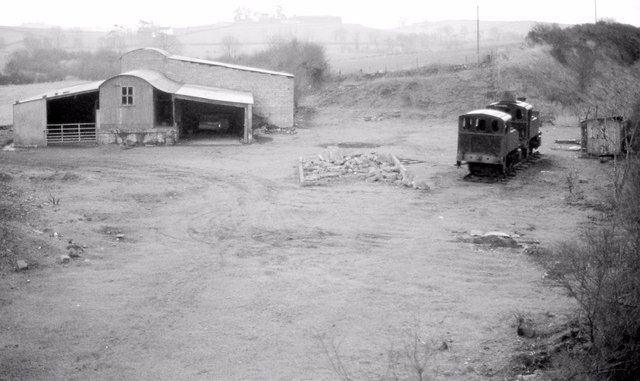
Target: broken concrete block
{"points": [[150, 138], [334, 155], [391, 176], [385, 158], [421, 185], [131, 140], [22, 265], [74, 250], [407, 179], [64, 259]]}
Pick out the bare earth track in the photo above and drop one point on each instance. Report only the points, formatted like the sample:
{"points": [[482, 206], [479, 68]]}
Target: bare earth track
{"points": [[228, 269]]}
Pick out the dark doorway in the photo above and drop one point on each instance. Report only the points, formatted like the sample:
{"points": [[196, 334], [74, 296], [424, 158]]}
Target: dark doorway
{"points": [[72, 119], [79, 108], [207, 120], [163, 108]]}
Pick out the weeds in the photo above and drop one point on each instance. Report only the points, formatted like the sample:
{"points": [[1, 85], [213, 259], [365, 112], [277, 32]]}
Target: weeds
{"points": [[413, 360], [572, 180], [332, 354], [602, 272], [53, 200], [418, 353]]}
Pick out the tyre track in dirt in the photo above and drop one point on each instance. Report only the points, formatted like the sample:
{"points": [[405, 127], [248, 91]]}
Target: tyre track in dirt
{"points": [[234, 277]]}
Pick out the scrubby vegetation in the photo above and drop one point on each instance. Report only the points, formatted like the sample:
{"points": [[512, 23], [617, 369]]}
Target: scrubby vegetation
{"points": [[51, 64], [618, 41], [306, 60], [600, 269], [597, 63]]}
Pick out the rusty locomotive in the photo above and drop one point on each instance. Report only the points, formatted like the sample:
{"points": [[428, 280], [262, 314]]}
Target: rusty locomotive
{"points": [[493, 139]]}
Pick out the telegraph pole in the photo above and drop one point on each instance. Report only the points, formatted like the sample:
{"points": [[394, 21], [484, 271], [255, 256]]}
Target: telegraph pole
{"points": [[478, 32], [595, 9]]}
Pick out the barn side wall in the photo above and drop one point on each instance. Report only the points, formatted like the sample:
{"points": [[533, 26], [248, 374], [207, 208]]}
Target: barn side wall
{"points": [[30, 123], [272, 94], [115, 115], [130, 124]]}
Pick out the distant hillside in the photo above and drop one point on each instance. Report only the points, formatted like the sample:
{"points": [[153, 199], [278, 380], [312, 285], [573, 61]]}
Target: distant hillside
{"points": [[248, 36], [467, 28], [445, 91], [16, 37], [349, 47]]}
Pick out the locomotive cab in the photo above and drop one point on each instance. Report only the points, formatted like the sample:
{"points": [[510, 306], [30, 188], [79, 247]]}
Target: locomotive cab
{"points": [[486, 140], [524, 119]]}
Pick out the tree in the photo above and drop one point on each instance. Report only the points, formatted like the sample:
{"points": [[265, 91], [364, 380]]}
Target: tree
{"points": [[230, 44], [114, 40], [165, 40], [242, 14], [57, 37]]}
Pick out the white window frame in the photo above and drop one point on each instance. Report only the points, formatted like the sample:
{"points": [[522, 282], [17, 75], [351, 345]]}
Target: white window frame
{"points": [[126, 95]]}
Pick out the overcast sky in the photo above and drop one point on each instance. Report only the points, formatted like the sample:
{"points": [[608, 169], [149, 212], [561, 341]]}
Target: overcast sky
{"points": [[379, 14]]}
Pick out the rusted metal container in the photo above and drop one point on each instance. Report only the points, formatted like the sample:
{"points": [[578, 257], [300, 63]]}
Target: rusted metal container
{"points": [[603, 136]]}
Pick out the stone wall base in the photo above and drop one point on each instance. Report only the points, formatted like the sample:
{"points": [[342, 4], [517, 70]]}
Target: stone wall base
{"points": [[133, 138]]}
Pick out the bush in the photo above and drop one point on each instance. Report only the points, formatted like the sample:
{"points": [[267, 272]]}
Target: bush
{"points": [[50, 64], [306, 60], [589, 49], [618, 41], [602, 272]]}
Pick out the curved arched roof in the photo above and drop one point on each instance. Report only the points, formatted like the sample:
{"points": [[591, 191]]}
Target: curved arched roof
{"points": [[160, 82], [188, 91], [154, 78]]}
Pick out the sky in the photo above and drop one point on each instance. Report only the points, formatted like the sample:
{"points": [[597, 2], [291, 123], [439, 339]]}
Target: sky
{"points": [[377, 14]]}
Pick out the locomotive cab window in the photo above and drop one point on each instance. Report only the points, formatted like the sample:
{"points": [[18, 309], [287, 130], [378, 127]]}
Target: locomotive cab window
{"points": [[482, 124], [494, 126], [518, 114], [468, 123]]}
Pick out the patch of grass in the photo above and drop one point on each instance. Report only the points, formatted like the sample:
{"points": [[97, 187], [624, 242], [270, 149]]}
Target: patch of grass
{"points": [[53, 200]]}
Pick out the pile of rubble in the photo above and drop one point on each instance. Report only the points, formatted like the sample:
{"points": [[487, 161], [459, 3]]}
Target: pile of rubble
{"points": [[270, 130], [372, 167]]}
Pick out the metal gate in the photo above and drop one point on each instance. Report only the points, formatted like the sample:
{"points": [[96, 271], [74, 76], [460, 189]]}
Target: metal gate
{"points": [[71, 133]]}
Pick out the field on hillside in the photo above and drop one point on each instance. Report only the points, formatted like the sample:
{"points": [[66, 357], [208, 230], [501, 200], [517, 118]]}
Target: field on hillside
{"points": [[370, 62], [212, 262], [10, 94]]}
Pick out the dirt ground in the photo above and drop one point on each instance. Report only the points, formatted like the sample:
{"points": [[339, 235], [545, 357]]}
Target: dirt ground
{"points": [[211, 262]]}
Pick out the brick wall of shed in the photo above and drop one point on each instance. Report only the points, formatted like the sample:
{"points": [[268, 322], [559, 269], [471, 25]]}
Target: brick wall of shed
{"points": [[272, 94]]}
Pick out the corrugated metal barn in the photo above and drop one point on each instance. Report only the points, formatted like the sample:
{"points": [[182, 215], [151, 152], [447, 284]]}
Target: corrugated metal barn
{"points": [[157, 99]]}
